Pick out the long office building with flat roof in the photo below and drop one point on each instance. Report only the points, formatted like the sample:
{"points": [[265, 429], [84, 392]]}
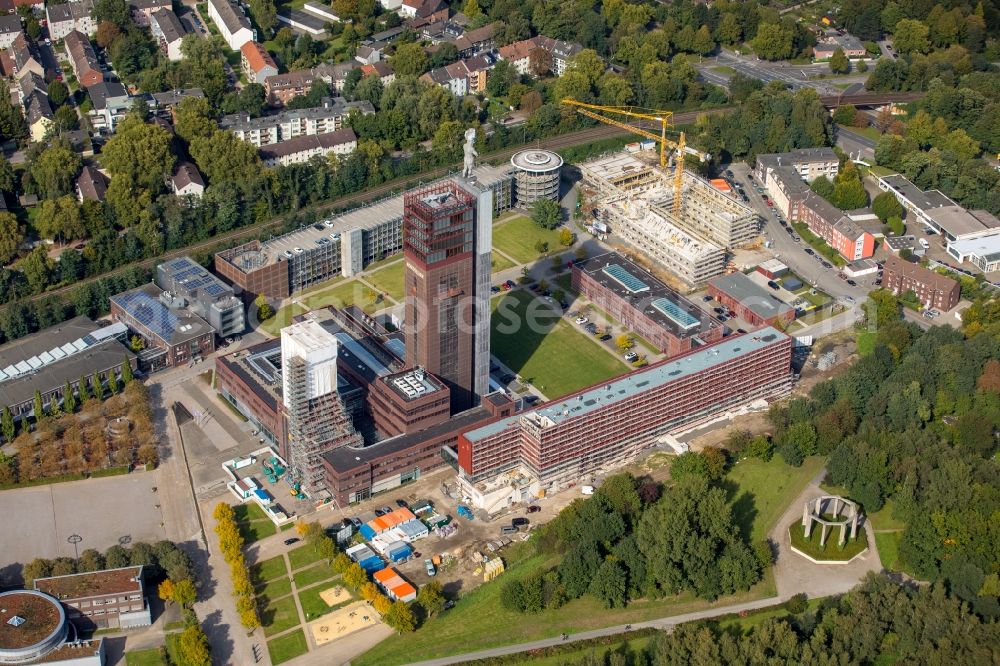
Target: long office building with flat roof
{"points": [[644, 304], [610, 423], [338, 246]]}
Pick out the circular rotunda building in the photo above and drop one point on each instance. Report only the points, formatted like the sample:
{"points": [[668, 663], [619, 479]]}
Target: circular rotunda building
{"points": [[536, 176], [32, 624]]}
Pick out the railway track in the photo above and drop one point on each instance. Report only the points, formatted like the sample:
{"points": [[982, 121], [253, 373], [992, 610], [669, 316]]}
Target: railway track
{"points": [[397, 185]]}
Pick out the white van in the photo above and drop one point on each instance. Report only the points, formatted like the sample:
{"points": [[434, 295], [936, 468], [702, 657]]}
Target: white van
{"points": [[923, 243]]}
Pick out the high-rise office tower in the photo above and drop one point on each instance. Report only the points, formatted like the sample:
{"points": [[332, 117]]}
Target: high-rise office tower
{"points": [[447, 242], [317, 420]]}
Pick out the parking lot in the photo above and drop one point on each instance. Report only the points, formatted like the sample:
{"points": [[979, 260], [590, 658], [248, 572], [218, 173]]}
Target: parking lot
{"points": [[104, 511]]}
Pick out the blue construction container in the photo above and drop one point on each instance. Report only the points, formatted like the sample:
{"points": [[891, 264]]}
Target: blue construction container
{"points": [[372, 564], [367, 532], [400, 553]]}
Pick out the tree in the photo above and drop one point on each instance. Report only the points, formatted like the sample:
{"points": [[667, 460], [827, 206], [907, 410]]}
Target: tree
{"points": [[166, 590], [69, 400], [610, 584], [839, 64], [37, 568], [886, 205], [431, 598], [264, 309], [53, 171], [400, 617], [539, 62], [112, 11], [224, 158], [113, 382], [107, 33], [7, 426], [38, 409], [911, 36], [58, 93], [566, 237], [471, 9], [882, 308], [193, 647], [773, 42], [194, 119], [501, 78], [409, 60], [689, 464], [264, 14], [728, 30], [60, 219], [184, 593], [11, 236], [703, 44], [624, 342], [546, 213], [140, 153], [127, 374]]}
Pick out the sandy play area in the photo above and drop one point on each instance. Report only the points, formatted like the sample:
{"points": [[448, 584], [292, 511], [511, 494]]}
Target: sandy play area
{"points": [[334, 595], [343, 622]]}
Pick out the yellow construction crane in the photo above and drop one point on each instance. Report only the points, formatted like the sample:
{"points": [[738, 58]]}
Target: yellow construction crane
{"points": [[662, 117]]}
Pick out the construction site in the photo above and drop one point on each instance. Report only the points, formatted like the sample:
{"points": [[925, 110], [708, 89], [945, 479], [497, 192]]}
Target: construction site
{"points": [[684, 225]]}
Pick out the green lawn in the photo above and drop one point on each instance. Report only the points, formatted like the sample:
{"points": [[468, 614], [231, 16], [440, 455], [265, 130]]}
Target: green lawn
{"points": [[313, 574], [347, 293], [831, 550], [518, 236], [287, 647], [274, 589], [150, 657], [479, 621], [535, 342], [866, 342], [313, 605], [269, 569], [500, 263], [302, 556], [888, 549], [173, 648], [389, 280], [253, 523], [278, 616], [724, 69], [819, 244], [282, 318], [745, 624], [762, 491], [868, 132]]}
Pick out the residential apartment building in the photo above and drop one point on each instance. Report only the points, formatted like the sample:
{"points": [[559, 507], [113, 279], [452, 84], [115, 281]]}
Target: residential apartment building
{"points": [[168, 31], [83, 59], [283, 87], [24, 58], [560, 53], [142, 11], [644, 304], [380, 69], [107, 599], [833, 226], [478, 40], [562, 442], [291, 124], [64, 19], [809, 163], [111, 102], [464, 77], [232, 23], [302, 149], [828, 44], [932, 290], [38, 114], [256, 63], [10, 28]]}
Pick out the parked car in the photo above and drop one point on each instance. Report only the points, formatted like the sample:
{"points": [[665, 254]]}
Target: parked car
{"points": [[605, 337], [534, 508], [289, 542], [401, 503], [809, 250], [852, 283], [508, 529], [827, 264], [773, 285], [582, 320], [386, 509], [431, 571], [706, 298], [520, 522], [356, 522], [631, 356], [379, 513]]}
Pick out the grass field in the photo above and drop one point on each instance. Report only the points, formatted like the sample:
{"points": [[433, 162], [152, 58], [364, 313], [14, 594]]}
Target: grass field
{"points": [[500, 263], [866, 342], [345, 293], [888, 549], [389, 280], [573, 657], [269, 569], [760, 492], [830, 551], [287, 647], [546, 349], [253, 524], [314, 606], [302, 556], [274, 589], [150, 657], [724, 69], [278, 616], [312, 575], [518, 236]]}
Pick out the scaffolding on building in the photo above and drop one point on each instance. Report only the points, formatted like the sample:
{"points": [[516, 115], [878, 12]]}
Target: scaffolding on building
{"points": [[315, 426]]}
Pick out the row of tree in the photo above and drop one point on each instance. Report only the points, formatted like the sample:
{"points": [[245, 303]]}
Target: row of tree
{"points": [[231, 544]]}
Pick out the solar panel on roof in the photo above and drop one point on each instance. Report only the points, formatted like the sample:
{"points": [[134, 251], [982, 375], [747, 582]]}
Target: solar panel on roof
{"points": [[149, 312], [676, 313], [625, 279], [215, 289]]}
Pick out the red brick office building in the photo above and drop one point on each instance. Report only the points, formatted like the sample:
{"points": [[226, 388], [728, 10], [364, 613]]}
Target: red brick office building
{"points": [[610, 423]]}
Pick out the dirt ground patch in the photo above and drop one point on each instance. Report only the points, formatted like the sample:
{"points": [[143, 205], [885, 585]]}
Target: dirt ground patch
{"points": [[344, 622], [334, 595]]}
